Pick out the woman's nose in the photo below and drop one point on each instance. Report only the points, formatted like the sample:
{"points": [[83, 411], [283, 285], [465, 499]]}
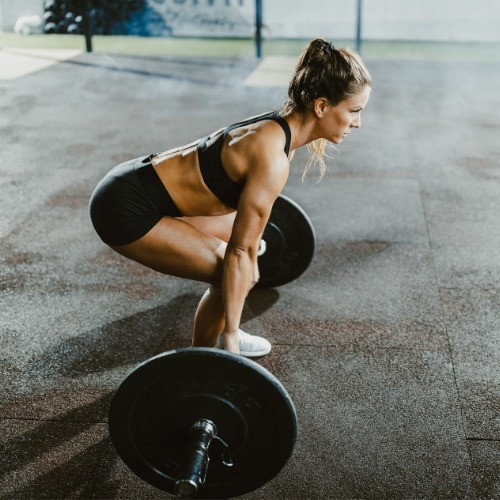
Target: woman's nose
{"points": [[356, 123]]}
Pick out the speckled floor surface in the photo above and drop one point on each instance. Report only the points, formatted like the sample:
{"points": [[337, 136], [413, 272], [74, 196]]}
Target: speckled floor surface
{"points": [[389, 344]]}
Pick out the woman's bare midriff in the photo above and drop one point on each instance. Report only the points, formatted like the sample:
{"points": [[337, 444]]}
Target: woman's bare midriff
{"points": [[180, 173]]}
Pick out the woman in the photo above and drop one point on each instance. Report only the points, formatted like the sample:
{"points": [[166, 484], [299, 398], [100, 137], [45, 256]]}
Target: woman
{"points": [[198, 211]]}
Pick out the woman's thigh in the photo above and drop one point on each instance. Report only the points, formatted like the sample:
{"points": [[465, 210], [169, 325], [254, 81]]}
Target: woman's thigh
{"points": [[219, 226], [178, 248]]}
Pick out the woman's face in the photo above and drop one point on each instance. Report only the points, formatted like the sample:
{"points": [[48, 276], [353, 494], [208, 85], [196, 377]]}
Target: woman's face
{"points": [[337, 121]]}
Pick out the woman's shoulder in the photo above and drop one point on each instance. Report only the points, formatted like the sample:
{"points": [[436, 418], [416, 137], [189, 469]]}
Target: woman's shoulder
{"points": [[261, 140], [264, 129]]}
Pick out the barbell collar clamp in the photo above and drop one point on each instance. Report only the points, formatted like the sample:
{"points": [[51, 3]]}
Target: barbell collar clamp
{"points": [[201, 434]]}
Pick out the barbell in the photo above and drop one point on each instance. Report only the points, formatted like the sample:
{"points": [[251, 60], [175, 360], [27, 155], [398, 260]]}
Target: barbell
{"points": [[202, 422]]}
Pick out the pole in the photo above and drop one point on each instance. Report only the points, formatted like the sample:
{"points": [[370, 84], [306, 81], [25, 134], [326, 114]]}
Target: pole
{"points": [[258, 27], [88, 27], [358, 26]]}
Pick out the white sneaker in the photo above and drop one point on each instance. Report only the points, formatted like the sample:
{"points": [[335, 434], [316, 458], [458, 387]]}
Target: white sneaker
{"points": [[251, 346]]}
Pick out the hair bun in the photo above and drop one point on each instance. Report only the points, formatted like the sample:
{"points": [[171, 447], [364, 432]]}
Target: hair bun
{"points": [[328, 46], [324, 46], [317, 50]]}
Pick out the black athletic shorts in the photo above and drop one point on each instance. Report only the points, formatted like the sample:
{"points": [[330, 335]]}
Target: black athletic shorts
{"points": [[129, 202]]}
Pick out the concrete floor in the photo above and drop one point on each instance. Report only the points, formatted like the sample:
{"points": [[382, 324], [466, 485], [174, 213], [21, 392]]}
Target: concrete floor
{"points": [[389, 344]]}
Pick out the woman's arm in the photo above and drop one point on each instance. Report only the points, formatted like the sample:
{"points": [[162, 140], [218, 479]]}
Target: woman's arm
{"points": [[263, 184]]}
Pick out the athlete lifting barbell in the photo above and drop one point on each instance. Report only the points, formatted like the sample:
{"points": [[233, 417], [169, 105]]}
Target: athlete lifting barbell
{"points": [[199, 211]]}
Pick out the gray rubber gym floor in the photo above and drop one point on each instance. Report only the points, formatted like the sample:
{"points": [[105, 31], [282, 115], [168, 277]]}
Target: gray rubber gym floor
{"points": [[389, 344]]}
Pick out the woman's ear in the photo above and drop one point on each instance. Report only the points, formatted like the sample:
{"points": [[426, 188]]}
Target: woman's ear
{"points": [[320, 106]]}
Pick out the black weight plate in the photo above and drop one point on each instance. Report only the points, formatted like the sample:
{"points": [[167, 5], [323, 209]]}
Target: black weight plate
{"points": [[154, 407], [290, 251]]}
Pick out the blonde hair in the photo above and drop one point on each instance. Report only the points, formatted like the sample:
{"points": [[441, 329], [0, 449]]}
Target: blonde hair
{"points": [[324, 71]]}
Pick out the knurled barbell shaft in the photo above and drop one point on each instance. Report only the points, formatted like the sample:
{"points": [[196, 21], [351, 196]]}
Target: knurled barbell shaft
{"points": [[195, 466]]}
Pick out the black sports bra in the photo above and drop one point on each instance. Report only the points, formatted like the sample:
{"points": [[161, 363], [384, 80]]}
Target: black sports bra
{"points": [[209, 157]]}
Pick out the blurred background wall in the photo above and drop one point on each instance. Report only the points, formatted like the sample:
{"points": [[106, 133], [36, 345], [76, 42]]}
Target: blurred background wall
{"points": [[422, 20], [11, 10]]}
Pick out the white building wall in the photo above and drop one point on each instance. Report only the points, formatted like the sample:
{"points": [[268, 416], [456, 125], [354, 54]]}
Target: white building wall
{"points": [[12, 10], [423, 20]]}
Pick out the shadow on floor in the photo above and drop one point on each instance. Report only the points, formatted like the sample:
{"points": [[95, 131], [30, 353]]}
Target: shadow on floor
{"points": [[133, 339], [46, 440]]}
